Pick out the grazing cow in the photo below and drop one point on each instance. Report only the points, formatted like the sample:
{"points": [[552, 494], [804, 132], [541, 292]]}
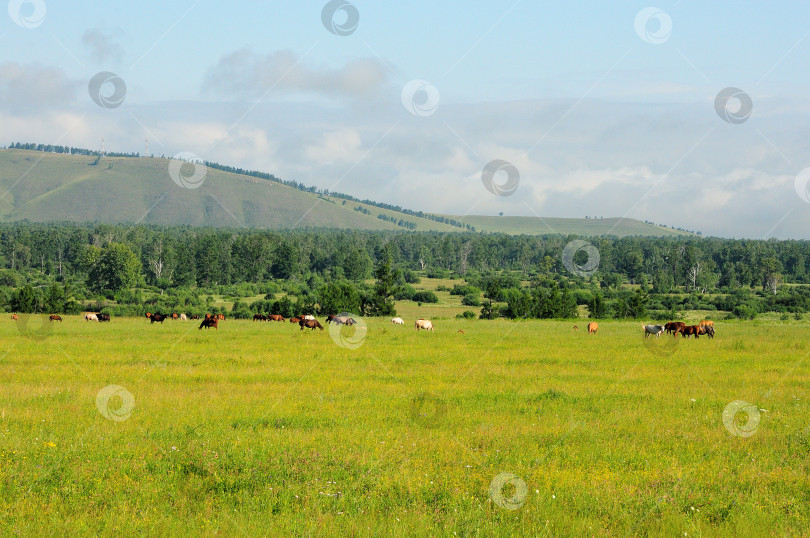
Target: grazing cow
{"points": [[92, 317], [707, 330], [174, 315], [343, 320], [690, 330], [461, 331], [14, 316], [424, 324], [706, 323], [576, 328], [55, 317], [148, 315], [160, 318], [593, 327], [221, 317], [103, 317], [210, 322], [259, 317], [295, 319], [674, 327], [275, 317], [652, 329], [329, 318], [183, 317], [398, 321], [307, 316], [310, 324], [195, 316]]}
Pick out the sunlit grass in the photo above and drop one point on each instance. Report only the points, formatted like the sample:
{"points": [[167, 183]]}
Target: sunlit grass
{"points": [[260, 428]]}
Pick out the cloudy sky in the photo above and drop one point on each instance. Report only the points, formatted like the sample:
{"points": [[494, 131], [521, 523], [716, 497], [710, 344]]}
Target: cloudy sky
{"points": [[681, 113]]}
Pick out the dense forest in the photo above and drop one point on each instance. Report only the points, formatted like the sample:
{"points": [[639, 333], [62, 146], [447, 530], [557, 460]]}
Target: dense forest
{"points": [[129, 269]]}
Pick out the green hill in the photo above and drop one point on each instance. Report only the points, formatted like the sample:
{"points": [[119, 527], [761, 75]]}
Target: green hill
{"points": [[40, 186]]}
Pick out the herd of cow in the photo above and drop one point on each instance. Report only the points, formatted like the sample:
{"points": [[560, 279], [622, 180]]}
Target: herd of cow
{"points": [[705, 327]]}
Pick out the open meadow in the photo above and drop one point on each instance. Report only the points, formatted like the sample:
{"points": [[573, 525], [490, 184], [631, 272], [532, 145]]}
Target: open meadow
{"points": [[508, 428]]}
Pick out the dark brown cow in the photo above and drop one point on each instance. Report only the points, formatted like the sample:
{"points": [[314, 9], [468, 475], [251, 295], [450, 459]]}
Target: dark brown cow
{"points": [[195, 316], [275, 317], [160, 318], [259, 317], [690, 330], [674, 327], [54, 317], [210, 322], [310, 324], [103, 317]]}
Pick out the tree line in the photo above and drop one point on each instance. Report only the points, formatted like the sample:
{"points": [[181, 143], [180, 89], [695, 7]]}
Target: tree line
{"points": [[512, 276]]}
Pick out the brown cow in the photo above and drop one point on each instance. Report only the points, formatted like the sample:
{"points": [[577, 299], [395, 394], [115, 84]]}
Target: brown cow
{"points": [[210, 322], [221, 317], [160, 318], [175, 315], [707, 330], [295, 319], [674, 327], [275, 317], [576, 328], [148, 315], [310, 324], [14, 316], [54, 317], [690, 330], [195, 316], [259, 317], [706, 323], [593, 327]]}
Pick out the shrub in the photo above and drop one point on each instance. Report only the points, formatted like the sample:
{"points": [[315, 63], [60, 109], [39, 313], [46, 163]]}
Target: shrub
{"points": [[471, 300], [467, 314], [426, 296]]}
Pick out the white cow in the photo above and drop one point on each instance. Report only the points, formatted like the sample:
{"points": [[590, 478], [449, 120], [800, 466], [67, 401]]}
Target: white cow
{"points": [[398, 321], [424, 324], [307, 317], [652, 329], [90, 317], [183, 317]]}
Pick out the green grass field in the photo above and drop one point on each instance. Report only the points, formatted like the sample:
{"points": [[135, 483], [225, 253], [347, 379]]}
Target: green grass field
{"points": [[261, 429]]}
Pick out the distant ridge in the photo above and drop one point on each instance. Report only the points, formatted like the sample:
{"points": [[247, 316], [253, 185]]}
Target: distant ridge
{"points": [[56, 183]]}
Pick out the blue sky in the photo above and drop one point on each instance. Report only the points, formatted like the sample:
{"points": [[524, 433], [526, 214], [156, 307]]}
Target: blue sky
{"points": [[598, 119]]}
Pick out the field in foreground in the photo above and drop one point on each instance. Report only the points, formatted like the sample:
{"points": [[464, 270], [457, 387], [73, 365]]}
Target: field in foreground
{"points": [[258, 428]]}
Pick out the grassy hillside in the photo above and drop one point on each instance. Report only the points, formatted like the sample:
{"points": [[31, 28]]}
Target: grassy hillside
{"points": [[40, 187]]}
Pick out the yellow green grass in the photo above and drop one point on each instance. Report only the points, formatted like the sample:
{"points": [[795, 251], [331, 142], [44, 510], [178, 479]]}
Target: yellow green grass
{"points": [[262, 429]]}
